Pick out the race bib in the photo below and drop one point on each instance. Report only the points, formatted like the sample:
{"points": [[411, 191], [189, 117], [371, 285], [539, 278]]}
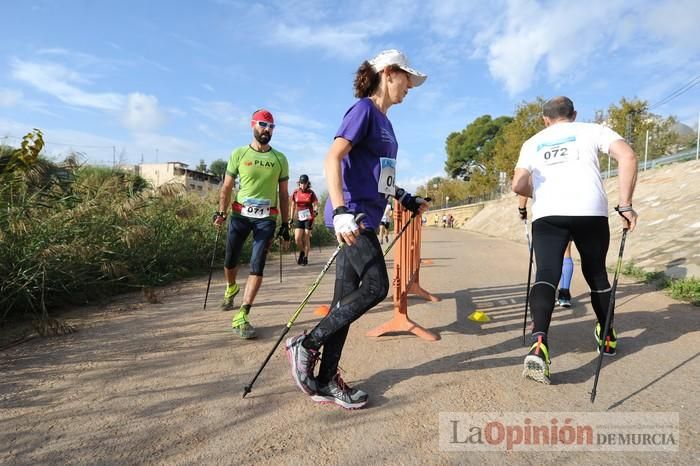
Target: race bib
{"points": [[304, 214], [387, 176], [556, 152], [256, 208]]}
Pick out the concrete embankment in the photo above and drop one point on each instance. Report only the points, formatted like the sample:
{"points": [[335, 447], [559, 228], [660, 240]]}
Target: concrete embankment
{"points": [[667, 238]]}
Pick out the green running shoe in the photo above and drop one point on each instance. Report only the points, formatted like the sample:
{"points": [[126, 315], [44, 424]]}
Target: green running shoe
{"points": [[536, 365], [241, 326], [610, 341], [229, 294]]}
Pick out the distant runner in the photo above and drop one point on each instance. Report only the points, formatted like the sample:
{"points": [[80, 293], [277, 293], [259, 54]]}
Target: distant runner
{"points": [[304, 207]]}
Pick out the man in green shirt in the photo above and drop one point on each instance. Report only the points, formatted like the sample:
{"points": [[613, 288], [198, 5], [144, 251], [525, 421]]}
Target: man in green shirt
{"points": [[262, 195]]}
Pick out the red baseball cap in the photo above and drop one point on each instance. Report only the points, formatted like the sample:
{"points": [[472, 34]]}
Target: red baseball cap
{"points": [[262, 115]]}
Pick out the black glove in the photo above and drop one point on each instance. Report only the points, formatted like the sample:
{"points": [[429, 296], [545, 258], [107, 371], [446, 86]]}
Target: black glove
{"points": [[284, 232], [408, 201], [523, 213]]}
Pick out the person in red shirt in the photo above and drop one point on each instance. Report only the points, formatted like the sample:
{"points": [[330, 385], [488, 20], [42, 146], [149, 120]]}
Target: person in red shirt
{"points": [[304, 208]]}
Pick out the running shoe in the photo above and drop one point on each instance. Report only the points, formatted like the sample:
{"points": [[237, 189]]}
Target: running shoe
{"points": [[300, 259], [536, 365], [229, 294], [306, 260], [302, 362], [338, 392], [564, 298], [610, 341], [241, 326]]}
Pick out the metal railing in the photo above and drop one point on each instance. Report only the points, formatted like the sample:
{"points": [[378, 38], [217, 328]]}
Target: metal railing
{"points": [[684, 155], [681, 156]]}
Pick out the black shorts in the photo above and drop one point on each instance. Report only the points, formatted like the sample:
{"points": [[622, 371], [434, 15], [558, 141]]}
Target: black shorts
{"points": [[385, 224], [239, 228], [304, 224]]}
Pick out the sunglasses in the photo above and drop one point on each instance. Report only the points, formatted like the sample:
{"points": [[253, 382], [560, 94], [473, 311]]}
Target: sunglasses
{"points": [[265, 124]]}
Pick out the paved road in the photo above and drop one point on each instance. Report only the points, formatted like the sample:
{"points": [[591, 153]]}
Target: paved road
{"points": [[162, 383]]}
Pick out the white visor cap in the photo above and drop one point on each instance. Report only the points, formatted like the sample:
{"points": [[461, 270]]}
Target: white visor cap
{"points": [[394, 57]]}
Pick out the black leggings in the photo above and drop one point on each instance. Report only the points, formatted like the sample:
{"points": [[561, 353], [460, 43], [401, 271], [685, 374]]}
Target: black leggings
{"points": [[550, 236], [361, 282]]}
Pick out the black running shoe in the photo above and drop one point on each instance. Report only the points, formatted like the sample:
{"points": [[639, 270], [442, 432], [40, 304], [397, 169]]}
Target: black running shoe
{"points": [[564, 298], [303, 362], [306, 260], [300, 259], [338, 392]]}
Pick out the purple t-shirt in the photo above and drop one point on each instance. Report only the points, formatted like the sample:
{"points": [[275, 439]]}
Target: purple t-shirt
{"points": [[372, 138]]}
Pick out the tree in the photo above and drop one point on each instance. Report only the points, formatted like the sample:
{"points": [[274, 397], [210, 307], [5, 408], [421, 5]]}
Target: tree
{"points": [[438, 188], [202, 166], [218, 167], [526, 123], [472, 148], [632, 119]]}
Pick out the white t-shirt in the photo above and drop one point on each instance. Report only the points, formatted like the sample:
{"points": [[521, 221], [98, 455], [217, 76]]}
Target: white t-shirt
{"points": [[386, 217], [563, 162]]}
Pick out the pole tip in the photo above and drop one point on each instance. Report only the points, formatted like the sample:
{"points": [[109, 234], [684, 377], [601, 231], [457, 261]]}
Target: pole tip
{"points": [[246, 390]]}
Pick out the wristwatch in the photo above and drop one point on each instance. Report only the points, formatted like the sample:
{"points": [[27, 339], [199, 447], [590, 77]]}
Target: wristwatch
{"points": [[340, 210]]}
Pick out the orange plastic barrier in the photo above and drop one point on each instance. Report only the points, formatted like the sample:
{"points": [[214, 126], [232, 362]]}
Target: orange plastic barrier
{"points": [[407, 264]]}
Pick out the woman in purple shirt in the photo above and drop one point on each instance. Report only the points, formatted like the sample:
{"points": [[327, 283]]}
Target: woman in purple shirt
{"points": [[361, 171]]}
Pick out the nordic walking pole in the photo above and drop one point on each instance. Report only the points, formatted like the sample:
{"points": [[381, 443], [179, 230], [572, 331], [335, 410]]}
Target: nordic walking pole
{"points": [[294, 316], [211, 267], [529, 277], [611, 307], [280, 246]]}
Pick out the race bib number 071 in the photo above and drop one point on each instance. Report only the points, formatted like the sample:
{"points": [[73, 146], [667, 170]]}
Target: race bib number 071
{"points": [[256, 208], [561, 151]]}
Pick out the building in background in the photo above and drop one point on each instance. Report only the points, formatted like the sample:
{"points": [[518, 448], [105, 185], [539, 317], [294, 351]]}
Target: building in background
{"points": [[159, 174]]}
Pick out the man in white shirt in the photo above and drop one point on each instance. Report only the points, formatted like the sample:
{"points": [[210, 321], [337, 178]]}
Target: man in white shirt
{"points": [[569, 203]]}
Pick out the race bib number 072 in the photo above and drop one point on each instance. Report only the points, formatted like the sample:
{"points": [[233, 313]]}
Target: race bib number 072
{"points": [[561, 151]]}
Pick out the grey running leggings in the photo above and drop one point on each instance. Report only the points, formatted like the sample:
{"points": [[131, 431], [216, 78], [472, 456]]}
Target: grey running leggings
{"points": [[550, 236], [361, 282]]}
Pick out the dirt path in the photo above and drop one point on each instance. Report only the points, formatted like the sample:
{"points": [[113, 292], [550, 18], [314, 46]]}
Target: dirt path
{"points": [[162, 383]]}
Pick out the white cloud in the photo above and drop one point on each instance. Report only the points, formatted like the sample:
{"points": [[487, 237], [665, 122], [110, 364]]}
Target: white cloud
{"points": [[561, 36], [347, 38], [208, 87], [61, 82], [450, 18], [345, 42], [411, 184], [676, 21], [83, 59], [293, 119], [211, 134], [222, 112], [141, 113], [170, 148], [9, 97]]}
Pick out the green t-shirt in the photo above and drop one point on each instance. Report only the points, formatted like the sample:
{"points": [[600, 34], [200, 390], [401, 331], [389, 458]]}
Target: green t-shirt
{"points": [[260, 174]]}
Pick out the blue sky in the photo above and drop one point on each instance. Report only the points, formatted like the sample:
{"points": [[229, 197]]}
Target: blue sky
{"points": [[178, 80]]}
